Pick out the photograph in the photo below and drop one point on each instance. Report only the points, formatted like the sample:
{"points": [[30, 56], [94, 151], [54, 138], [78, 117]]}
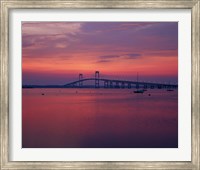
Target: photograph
{"points": [[99, 84], [96, 84]]}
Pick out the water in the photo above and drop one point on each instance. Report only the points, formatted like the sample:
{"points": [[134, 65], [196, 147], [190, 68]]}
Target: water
{"points": [[99, 118]]}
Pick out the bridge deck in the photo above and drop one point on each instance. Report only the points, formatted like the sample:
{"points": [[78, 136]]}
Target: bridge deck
{"points": [[121, 81]]}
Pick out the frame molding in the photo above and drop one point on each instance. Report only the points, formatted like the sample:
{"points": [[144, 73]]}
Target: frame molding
{"points": [[5, 5]]}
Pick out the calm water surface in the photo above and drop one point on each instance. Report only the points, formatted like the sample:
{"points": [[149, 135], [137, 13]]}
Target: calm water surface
{"points": [[99, 118]]}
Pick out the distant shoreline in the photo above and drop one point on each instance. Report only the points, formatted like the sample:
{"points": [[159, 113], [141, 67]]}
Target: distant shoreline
{"points": [[55, 86]]}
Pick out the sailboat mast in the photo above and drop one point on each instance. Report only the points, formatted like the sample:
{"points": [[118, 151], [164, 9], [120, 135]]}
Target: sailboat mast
{"points": [[137, 81]]}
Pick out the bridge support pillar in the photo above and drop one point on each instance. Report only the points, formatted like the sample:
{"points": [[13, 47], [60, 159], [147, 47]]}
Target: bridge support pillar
{"points": [[110, 84], [117, 84], [105, 84], [129, 85], [122, 85]]}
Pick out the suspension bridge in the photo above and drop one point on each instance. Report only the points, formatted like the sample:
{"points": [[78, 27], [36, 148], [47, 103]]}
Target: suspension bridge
{"points": [[112, 83]]}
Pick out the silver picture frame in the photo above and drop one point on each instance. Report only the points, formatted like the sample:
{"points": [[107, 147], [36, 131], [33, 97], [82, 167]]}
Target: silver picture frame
{"points": [[6, 5]]}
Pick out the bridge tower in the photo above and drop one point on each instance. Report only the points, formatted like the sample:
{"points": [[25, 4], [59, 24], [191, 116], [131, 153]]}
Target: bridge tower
{"points": [[80, 78], [97, 79]]}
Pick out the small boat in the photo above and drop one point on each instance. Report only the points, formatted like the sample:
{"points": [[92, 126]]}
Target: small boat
{"points": [[139, 91]]}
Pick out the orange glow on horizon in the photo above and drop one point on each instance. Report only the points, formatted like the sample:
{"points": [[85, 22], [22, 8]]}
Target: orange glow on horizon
{"points": [[152, 51]]}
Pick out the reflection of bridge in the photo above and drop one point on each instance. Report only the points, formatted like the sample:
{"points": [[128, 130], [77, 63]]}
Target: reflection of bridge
{"points": [[109, 83]]}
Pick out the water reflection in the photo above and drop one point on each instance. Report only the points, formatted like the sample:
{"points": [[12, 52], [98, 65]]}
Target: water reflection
{"points": [[99, 118]]}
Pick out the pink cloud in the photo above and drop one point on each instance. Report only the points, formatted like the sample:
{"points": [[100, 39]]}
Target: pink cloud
{"points": [[50, 28]]}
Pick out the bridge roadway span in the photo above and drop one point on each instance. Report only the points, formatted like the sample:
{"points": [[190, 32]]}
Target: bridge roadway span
{"points": [[108, 83]]}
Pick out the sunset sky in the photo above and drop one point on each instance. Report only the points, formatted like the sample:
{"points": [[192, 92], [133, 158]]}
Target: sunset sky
{"points": [[56, 52]]}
